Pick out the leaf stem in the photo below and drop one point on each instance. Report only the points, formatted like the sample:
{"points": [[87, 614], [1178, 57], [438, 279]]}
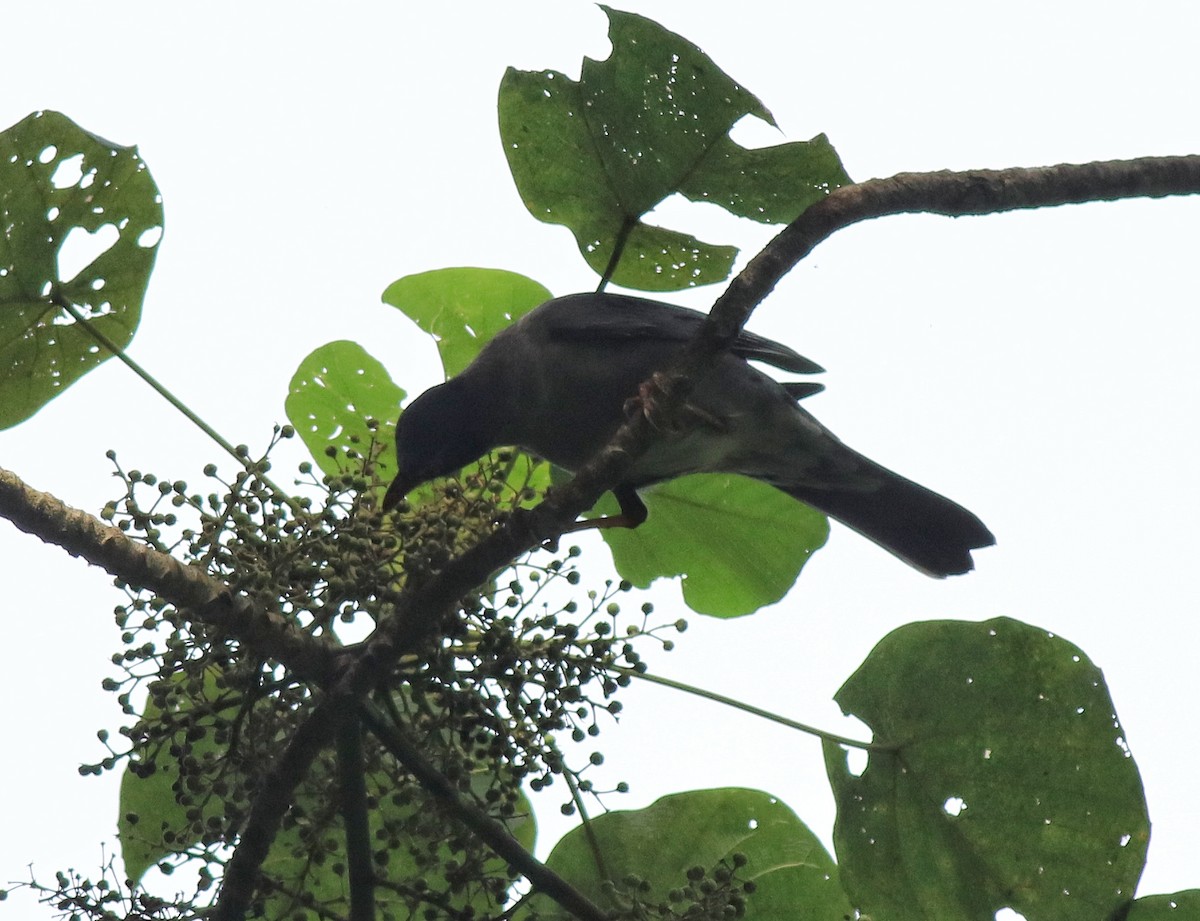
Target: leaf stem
{"points": [[753, 710], [622, 238], [586, 821], [63, 304]]}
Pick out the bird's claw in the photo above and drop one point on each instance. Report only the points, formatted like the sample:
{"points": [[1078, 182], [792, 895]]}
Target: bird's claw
{"points": [[651, 393], [688, 416]]}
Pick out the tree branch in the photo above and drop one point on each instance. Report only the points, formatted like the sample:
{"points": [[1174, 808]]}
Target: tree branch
{"points": [[356, 818], [945, 192], [204, 598], [272, 801], [491, 831], [954, 194]]}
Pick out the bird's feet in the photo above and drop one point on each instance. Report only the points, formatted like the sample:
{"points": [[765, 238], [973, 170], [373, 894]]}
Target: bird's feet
{"points": [[653, 393]]}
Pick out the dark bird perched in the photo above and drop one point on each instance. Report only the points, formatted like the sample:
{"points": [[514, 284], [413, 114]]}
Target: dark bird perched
{"points": [[556, 383]]}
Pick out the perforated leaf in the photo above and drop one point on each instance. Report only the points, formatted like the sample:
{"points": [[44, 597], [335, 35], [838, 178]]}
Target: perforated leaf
{"points": [[1011, 784], [650, 121], [80, 222]]}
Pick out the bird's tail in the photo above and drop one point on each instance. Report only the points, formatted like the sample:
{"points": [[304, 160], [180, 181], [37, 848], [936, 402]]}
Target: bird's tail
{"points": [[926, 530]]}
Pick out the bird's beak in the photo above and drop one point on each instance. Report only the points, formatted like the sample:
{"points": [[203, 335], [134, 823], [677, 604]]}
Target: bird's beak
{"points": [[399, 488]]}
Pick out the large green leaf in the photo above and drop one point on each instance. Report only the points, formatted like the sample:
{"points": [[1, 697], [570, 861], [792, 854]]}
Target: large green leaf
{"points": [[58, 183], [1011, 784], [650, 121], [794, 877], [738, 544], [331, 399], [464, 308]]}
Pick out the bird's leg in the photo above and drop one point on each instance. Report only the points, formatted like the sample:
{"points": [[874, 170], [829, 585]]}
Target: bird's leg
{"points": [[633, 513], [646, 402]]}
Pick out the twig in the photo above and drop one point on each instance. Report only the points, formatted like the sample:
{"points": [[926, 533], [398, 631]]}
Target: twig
{"points": [[954, 194], [821, 734]]}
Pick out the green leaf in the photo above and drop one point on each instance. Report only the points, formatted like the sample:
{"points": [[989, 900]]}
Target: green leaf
{"points": [[150, 814], [651, 120], [1179, 906], [794, 877], [58, 182], [1011, 785], [464, 308], [342, 398], [721, 533]]}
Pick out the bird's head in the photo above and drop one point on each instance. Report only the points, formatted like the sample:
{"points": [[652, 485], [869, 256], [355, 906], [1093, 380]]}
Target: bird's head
{"points": [[441, 431]]}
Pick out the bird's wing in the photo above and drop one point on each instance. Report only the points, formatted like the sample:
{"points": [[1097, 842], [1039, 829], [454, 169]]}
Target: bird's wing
{"points": [[619, 318]]}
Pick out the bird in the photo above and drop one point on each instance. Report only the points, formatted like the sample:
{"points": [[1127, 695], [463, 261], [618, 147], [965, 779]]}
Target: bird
{"points": [[559, 383]]}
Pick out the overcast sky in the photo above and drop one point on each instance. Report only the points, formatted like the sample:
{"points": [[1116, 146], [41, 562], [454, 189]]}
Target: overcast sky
{"points": [[1038, 367]]}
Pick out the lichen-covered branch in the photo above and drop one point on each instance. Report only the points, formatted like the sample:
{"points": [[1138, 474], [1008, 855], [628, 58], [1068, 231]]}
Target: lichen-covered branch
{"points": [[205, 599]]}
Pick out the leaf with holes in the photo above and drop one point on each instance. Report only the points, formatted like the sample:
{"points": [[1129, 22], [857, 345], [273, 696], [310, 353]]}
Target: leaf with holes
{"points": [[1010, 783], [81, 222], [651, 121]]}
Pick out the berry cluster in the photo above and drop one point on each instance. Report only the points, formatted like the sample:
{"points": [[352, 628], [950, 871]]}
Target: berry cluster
{"points": [[524, 662]]}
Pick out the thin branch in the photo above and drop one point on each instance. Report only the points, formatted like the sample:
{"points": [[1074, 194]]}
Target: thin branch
{"points": [[945, 192], [585, 822], [205, 599], [491, 831], [119, 353]]}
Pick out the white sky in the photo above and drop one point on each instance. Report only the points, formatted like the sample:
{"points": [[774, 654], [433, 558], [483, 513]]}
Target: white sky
{"points": [[1038, 367]]}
